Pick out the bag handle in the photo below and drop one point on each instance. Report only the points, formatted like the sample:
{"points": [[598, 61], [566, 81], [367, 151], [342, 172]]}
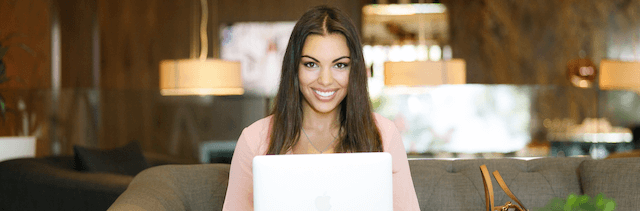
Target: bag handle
{"points": [[488, 187], [504, 187], [488, 191]]}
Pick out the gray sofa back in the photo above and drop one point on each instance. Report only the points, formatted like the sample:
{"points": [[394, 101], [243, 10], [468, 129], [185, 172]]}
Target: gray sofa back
{"points": [[457, 184], [439, 184]]}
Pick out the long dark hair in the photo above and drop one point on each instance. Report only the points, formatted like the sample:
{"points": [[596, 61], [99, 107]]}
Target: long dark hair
{"points": [[358, 131]]}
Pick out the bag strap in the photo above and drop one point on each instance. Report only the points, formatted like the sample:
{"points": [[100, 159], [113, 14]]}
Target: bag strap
{"points": [[504, 187], [488, 187]]}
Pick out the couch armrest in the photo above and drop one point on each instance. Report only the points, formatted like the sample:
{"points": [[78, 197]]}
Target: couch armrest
{"points": [[176, 187]]}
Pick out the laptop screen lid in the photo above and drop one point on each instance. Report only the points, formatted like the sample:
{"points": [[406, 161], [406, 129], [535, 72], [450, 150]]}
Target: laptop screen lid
{"points": [[341, 181]]}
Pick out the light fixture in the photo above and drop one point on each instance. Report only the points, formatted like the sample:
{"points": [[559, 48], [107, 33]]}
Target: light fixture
{"points": [[203, 76], [581, 72], [619, 75], [425, 73], [405, 71], [402, 9]]}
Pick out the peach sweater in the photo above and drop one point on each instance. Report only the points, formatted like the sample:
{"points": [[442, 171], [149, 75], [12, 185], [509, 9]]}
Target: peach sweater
{"points": [[254, 141]]}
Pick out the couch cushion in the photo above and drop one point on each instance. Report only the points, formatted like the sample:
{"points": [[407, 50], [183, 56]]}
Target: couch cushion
{"points": [[459, 182], [617, 178], [127, 160]]}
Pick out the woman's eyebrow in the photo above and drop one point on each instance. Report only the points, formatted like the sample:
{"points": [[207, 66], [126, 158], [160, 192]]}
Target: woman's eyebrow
{"points": [[314, 59], [338, 59], [335, 60]]}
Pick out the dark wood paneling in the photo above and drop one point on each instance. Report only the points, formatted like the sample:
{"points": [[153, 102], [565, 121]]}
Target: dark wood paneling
{"points": [[524, 42], [135, 37], [76, 29], [25, 27], [26, 23]]}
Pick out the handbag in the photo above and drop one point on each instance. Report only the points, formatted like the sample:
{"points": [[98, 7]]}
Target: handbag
{"points": [[488, 192]]}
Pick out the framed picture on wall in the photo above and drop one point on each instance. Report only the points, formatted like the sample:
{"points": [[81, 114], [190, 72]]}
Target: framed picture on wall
{"points": [[260, 47]]}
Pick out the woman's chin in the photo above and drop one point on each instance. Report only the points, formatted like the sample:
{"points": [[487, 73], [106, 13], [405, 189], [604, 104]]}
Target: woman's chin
{"points": [[325, 109]]}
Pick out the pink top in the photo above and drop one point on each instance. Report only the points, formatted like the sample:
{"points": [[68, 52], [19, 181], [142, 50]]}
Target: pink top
{"points": [[254, 141]]}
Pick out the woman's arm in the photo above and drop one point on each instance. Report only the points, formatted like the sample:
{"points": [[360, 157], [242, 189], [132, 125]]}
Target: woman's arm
{"points": [[240, 189], [404, 194]]}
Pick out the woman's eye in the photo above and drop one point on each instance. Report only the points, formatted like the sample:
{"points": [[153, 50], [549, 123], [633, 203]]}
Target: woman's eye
{"points": [[310, 65], [341, 65]]}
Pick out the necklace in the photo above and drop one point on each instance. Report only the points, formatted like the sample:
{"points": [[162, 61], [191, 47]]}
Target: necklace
{"points": [[314, 146]]}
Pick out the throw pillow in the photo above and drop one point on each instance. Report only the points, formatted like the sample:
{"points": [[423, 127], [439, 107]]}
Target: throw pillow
{"points": [[127, 160]]}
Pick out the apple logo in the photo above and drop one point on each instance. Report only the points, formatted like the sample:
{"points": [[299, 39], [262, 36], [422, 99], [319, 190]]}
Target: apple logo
{"points": [[322, 202]]}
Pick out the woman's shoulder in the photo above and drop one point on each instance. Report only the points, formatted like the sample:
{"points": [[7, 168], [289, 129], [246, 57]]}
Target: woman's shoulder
{"points": [[261, 122], [386, 127], [256, 135], [388, 133], [383, 123], [261, 126]]}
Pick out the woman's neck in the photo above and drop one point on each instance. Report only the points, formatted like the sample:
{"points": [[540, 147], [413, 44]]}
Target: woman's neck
{"points": [[315, 120]]}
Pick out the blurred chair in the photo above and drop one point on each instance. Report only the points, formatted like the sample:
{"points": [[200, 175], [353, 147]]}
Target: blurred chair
{"points": [[53, 183]]}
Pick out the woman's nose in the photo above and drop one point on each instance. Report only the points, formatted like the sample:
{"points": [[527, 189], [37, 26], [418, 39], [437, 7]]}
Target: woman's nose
{"points": [[326, 76]]}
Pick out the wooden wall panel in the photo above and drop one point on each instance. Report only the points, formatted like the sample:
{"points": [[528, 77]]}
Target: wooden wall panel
{"points": [[26, 23], [25, 27], [528, 42], [76, 34], [135, 37]]}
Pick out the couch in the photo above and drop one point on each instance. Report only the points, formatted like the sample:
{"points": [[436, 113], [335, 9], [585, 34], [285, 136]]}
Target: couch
{"points": [[54, 183], [440, 184]]}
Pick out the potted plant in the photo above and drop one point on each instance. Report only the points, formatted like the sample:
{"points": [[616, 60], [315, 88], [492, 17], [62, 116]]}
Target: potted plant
{"points": [[575, 202], [22, 145]]}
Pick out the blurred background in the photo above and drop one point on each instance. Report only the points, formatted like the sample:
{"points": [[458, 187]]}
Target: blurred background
{"points": [[489, 78]]}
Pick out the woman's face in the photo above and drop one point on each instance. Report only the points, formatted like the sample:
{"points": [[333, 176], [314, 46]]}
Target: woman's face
{"points": [[323, 72]]}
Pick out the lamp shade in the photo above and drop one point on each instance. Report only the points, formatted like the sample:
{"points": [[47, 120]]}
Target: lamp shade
{"points": [[200, 77], [619, 75], [424, 73]]}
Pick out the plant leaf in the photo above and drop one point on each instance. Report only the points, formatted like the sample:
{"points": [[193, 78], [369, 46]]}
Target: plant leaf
{"points": [[571, 200], [3, 50], [609, 206], [27, 49], [3, 108]]}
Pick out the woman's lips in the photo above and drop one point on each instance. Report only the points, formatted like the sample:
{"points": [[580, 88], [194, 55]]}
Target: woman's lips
{"points": [[325, 95]]}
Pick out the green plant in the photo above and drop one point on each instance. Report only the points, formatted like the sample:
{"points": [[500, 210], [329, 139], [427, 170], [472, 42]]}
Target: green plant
{"points": [[575, 202], [4, 48]]}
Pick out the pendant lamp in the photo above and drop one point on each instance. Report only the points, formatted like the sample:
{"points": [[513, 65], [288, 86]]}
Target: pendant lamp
{"points": [[201, 76]]}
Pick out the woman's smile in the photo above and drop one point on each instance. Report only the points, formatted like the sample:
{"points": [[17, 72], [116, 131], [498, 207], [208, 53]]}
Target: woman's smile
{"points": [[324, 94]]}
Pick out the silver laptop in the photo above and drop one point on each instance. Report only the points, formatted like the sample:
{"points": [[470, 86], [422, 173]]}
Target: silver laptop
{"points": [[343, 181]]}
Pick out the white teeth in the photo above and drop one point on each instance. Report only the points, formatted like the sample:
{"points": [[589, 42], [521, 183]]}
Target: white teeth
{"points": [[325, 94]]}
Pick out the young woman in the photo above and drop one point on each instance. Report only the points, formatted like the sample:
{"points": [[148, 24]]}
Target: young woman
{"points": [[322, 106]]}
